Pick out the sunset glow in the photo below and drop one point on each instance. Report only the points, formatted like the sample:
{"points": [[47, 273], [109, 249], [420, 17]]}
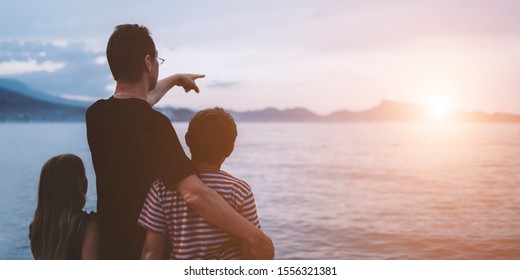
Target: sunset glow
{"points": [[335, 55], [439, 109]]}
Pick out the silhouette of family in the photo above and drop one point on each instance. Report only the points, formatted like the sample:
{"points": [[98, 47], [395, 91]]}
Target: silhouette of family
{"points": [[153, 202]]}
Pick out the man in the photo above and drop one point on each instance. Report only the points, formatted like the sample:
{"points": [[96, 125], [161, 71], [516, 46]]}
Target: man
{"points": [[132, 145]]}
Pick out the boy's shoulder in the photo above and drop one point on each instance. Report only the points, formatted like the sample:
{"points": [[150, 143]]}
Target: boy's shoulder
{"points": [[222, 177], [158, 186]]}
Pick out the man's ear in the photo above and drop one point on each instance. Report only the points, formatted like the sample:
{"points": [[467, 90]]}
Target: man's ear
{"points": [[187, 139], [148, 63]]}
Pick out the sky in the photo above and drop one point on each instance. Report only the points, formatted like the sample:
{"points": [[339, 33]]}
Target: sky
{"points": [[321, 55]]}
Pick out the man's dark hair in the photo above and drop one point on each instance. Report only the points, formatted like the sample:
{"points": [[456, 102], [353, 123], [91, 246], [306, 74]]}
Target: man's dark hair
{"points": [[126, 49], [211, 135]]}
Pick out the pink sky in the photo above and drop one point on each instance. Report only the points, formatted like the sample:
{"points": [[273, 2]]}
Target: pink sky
{"points": [[322, 55]]}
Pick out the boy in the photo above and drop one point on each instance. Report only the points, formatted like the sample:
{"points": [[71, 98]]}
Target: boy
{"points": [[166, 217]]}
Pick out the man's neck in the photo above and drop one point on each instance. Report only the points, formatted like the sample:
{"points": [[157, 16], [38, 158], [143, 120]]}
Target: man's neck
{"points": [[126, 90]]}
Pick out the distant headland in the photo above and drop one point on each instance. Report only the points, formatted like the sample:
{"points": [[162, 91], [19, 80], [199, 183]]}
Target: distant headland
{"points": [[19, 103]]}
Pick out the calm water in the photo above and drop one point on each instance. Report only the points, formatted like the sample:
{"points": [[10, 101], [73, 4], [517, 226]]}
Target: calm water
{"points": [[330, 191]]}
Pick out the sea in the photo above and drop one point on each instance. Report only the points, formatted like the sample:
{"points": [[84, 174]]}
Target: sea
{"points": [[434, 190]]}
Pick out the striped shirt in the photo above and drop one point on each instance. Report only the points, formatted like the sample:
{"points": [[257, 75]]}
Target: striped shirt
{"points": [[191, 236]]}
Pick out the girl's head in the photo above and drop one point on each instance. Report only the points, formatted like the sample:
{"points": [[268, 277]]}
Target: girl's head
{"points": [[63, 184], [61, 198]]}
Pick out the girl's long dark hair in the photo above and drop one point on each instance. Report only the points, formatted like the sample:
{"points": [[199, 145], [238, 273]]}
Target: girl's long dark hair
{"points": [[61, 197]]}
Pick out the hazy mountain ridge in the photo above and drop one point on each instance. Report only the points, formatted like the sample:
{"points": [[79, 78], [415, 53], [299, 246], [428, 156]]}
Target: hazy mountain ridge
{"points": [[21, 88], [19, 103], [390, 111], [16, 107]]}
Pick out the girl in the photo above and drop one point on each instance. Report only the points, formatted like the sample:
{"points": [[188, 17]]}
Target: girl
{"points": [[60, 228]]}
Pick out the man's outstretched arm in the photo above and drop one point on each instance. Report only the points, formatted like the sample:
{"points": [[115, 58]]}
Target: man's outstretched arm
{"points": [[212, 207], [187, 81]]}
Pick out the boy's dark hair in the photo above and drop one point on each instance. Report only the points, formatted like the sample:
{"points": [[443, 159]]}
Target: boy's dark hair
{"points": [[211, 135], [126, 49]]}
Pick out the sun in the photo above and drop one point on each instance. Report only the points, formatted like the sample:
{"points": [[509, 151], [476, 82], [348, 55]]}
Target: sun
{"points": [[439, 101], [439, 109]]}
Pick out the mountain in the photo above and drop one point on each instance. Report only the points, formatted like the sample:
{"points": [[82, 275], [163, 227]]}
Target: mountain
{"points": [[503, 117], [19, 103], [265, 115], [17, 107], [484, 117], [343, 115], [386, 111], [275, 115], [176, 115], [21, 88], [390, 111]]}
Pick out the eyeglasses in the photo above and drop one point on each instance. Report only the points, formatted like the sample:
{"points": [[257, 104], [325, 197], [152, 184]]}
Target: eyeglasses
{"points": [[160, 60]]}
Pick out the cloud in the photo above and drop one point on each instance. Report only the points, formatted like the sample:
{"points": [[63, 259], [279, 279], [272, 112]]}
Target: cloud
{"points": [[224, 85], [16, 67], [110, 87], [60, 43], [79, 97], [101, 60], [56, 67]]}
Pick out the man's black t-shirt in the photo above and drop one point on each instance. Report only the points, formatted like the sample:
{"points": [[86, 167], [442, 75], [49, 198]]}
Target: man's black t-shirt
{"points": [[131, 146]]}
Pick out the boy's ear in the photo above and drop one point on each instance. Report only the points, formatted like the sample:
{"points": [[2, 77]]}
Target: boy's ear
{"points": [[230, 150]]}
